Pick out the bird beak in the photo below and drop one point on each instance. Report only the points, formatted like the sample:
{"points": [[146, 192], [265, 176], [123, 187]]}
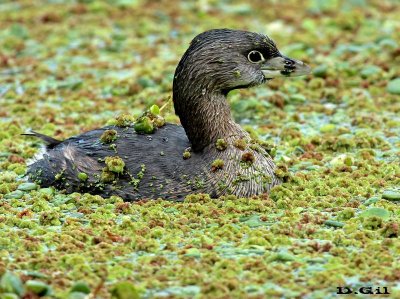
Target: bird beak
{"points": [[282, 66]]}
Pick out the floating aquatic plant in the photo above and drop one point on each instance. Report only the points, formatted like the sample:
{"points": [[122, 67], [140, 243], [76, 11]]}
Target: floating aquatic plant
{"points": [[115, 164], [217, 164], [109, 136], [334, 136]]}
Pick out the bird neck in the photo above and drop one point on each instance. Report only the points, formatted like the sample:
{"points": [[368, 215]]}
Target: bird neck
{"points": [[206, 117]]}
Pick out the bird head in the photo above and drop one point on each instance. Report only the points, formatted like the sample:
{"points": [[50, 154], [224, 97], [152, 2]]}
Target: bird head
{"points": [[225, 59]]}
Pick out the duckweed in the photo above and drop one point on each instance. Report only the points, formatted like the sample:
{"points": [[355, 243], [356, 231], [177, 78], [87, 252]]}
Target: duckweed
{"points": [[186, 155], [221, 144], [124, 120], [334, 136], [107, 176], [155, 110], [248, 157], [124, 290], [217, 164], [109, 136], [115, 164], [82, 176], [240, 144], [159, 121], [144, 125]]}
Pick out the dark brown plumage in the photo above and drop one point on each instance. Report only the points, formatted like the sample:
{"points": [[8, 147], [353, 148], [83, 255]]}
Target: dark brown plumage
{"points": [[223, 158]]}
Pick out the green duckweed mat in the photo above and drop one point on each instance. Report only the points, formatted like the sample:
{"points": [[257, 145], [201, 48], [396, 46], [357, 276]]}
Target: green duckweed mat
{"points": [[69, 66]]}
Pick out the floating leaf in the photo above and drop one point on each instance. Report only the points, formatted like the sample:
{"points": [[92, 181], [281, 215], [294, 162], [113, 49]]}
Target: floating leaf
{"points": [[144, 126], [371, 200], [394, 86], [193, 252], [17, 194], [11, 283], [155, 110], [38, 287], [282, 256], [334, 223], [376, 212], [393, 195], [27, 186], [80, 287], [254, 221]]}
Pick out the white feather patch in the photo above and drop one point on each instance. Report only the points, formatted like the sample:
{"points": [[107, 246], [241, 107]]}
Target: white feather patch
{"points": [[39, 155]]}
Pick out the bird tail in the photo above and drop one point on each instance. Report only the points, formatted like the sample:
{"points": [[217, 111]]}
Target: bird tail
{"points": [[50, 141], [40, 168]]}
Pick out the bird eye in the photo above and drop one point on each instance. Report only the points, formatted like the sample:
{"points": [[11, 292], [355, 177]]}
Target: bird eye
{"points": [[255, 56]]}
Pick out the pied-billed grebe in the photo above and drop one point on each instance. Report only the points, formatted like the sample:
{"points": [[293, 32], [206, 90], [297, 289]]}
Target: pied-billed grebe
{"points": [[222, 158]]}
